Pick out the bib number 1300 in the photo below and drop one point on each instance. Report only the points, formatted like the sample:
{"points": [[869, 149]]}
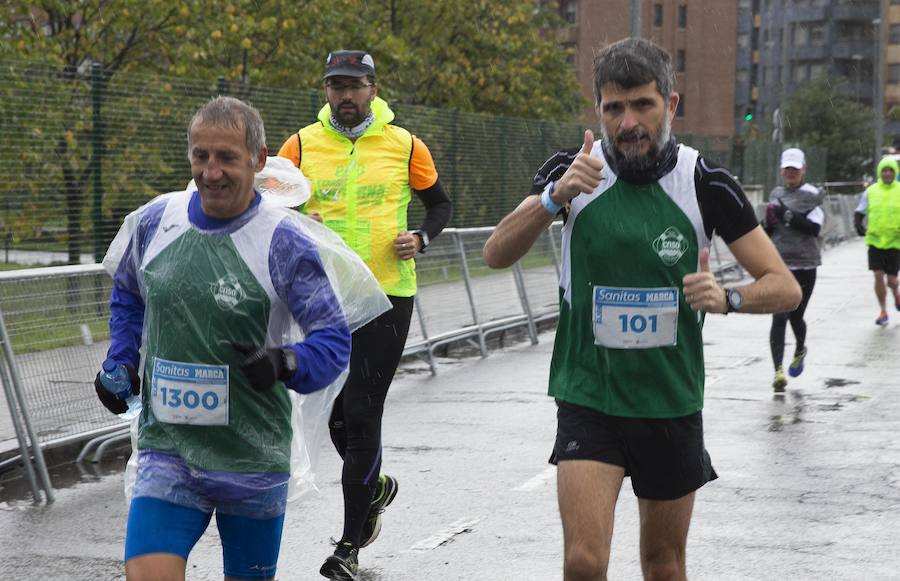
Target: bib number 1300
{"points": [[175, 398], [189, 393]]}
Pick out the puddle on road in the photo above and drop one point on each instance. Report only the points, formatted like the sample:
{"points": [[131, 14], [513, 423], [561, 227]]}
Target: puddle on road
{"points": [[802, 402], [64, 473], [838, 382], [793, 416]]}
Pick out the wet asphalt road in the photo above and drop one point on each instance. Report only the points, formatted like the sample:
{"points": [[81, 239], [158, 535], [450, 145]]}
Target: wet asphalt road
{"points": [[808, 489]]}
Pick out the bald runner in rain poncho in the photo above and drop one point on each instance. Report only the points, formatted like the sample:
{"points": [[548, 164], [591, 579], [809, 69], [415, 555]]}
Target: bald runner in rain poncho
{"points": [[243, 310]]}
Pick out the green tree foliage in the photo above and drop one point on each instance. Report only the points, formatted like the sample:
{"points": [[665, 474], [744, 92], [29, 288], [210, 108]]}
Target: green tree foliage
{"points": [[486, 56], [60, 39], [474, 55], [822, 114]]}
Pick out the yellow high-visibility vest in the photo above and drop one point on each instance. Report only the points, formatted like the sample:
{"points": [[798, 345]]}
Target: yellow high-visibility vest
{"points": [[883, 230], [362, 191]]}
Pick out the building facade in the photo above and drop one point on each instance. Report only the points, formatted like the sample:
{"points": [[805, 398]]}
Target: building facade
{"points": [[784, 44], [699, 34]]}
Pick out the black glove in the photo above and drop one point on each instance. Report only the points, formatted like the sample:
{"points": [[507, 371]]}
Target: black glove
{"points": [[858, 223], [263, 367], [110, 401], [779, 209]]}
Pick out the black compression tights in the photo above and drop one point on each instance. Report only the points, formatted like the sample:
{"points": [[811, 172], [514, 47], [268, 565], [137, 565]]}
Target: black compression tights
{"points": [[355, 423], [807, 279]]}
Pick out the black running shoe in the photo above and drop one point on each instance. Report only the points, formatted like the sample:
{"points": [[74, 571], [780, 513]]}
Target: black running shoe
{"points": [[387, 490], [343, 564]]}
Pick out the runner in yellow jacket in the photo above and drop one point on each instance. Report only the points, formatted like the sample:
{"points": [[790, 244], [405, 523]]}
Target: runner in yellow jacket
{"points": [[362, 172], [881, 204]]}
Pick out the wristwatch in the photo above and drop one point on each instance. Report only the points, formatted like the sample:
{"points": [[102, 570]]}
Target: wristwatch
{"points": [[288, 363], [423, 236], [735, 300]]}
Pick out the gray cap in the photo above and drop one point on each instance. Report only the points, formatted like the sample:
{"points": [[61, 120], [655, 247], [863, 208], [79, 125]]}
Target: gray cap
{"points": [[349, 63]]}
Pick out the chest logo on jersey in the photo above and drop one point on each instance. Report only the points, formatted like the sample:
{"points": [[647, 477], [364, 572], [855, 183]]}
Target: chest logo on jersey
{"points": [[670, 246], [228, 292]]}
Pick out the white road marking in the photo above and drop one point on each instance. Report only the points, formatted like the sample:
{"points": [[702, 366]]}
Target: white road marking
{"points": [[537, 481], [463, 525]]}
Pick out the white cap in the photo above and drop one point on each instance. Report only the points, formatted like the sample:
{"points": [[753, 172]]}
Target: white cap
{"points": [[793, 157]]}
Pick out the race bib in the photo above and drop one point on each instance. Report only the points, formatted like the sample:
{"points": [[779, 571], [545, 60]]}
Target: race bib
{"points": [[189, 393], [635, 318]]}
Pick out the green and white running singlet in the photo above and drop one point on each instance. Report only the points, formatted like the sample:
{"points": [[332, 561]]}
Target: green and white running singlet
{"points": [[211, 296], [627, 343]]}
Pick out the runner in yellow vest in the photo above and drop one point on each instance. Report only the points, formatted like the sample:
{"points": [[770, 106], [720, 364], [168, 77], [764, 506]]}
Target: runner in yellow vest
{"points": [[362, 171], [881, 203]]}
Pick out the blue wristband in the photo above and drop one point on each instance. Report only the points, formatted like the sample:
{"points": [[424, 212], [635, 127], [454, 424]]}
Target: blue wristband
{"points": [[548, 203]]}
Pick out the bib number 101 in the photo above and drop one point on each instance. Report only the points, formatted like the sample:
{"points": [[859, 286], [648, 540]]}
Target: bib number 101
{"points": [[637, 323]]}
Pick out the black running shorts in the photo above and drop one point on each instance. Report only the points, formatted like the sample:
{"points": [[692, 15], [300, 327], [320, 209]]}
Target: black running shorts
{"points": [[886, 260], [665, 458]]}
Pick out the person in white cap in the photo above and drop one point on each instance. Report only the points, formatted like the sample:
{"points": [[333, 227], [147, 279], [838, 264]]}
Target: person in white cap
{"points": [[794, 219]]}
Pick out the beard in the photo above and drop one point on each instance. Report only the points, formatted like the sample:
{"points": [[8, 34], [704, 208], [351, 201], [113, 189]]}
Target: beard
{"points": [[626, 147], [349, 117]]}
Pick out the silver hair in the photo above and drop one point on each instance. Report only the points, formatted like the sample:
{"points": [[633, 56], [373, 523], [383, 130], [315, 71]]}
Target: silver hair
{"points": [[230, 112], [631, 63]]}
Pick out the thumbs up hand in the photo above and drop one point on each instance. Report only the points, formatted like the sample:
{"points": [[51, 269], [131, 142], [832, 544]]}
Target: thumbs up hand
{"points": [[701, 291], [584, 175]]}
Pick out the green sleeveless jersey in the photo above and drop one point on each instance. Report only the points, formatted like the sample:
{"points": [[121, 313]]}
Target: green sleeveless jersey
{"points": [[627, 343]]}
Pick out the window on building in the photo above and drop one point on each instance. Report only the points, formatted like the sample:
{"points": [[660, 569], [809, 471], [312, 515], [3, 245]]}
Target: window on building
{"points": [[817, 35], [799, 73], [657, 15], [680, 60], [682, 16], [568, 9], [894, 73], [817, 71], [570, 49], [743, 40], [894, 34], [801, 35]]}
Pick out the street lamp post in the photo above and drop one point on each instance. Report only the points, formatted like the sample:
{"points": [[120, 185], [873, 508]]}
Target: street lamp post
{"points": [[878, 98], [857, 60], [635, 18]]}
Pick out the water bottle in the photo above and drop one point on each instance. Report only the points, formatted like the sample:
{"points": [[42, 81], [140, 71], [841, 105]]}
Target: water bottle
{"points": [[118, 383]]}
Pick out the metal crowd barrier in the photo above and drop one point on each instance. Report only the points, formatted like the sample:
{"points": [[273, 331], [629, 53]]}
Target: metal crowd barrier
{"points": [[54, 331]]}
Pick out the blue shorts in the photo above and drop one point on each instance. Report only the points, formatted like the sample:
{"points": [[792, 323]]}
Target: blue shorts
{"points": [[250, 546], [173, 505]]}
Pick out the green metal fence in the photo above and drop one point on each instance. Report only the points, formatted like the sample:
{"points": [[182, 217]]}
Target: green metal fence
{"points": [[81, 149]]}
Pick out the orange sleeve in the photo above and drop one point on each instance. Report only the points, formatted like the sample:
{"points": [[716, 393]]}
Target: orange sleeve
{"points": [[422, 173], [291, 149]]}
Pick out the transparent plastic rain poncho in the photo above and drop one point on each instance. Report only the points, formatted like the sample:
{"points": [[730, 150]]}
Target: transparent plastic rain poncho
{"points": [[172, 269]]}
